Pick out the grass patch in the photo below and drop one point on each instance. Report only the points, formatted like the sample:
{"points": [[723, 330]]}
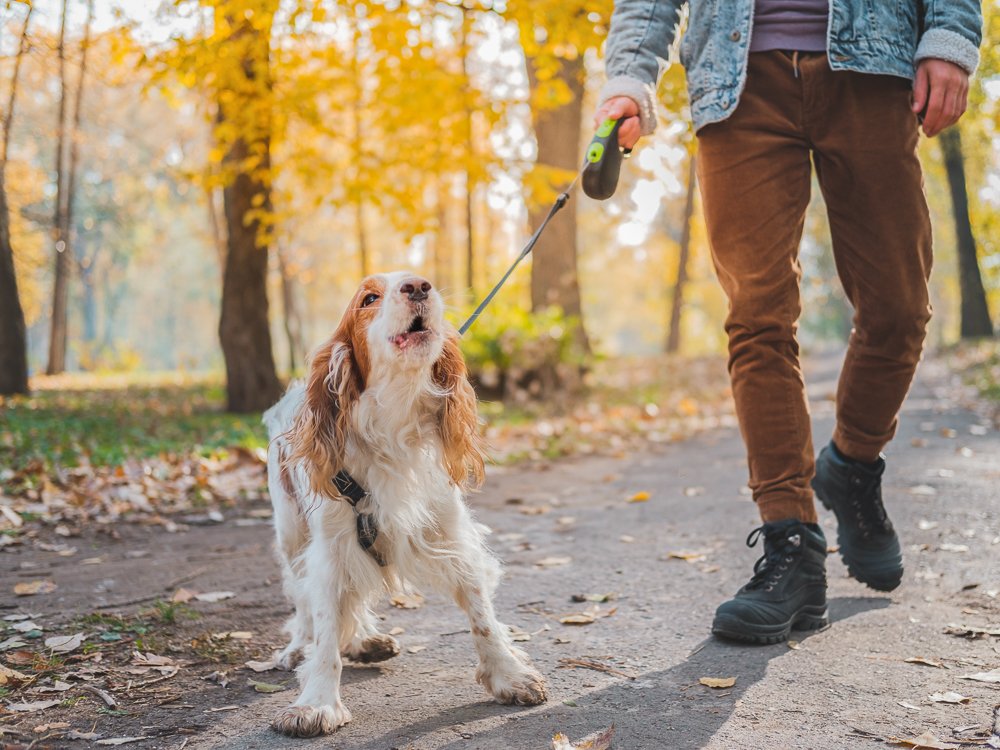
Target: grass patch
{"points": [[104, 422]]}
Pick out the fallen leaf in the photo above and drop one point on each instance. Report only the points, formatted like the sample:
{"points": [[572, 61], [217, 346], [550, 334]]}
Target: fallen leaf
{"points": [[582, 618], [236, 635], [151, 659], [265, 687], [925, 525], [64, 644], [219, 678], [924, 490], [56, 687], [910, 706], [795, 645], [262, 666], [693, 491], [947, 547], [926, 740], [87, 736], [397, 631], [27, 708], [534, 510], [408, 601], [718, 682], [43, 728], [639, 497], [687, 555], [416, 649], [26, 627], [948, 697], [11, 676], [183, 596], [553, 562], [599, 598], [992, 676], [215, 596], [925, 662], [597, 741], [30, 588], [626, 539]]}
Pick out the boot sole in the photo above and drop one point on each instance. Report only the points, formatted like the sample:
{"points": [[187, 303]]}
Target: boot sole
{"points": [[868, 578], [809, 617]]}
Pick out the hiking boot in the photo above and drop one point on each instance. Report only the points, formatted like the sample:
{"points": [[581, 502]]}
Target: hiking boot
{"points": [[788, 588], [868, 543]]}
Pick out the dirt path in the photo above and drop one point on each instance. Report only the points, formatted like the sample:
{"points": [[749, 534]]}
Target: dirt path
{"points": [[841, 688]]}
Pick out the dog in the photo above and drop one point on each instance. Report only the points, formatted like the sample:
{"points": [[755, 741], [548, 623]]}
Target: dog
{"points": [[367, 466]]}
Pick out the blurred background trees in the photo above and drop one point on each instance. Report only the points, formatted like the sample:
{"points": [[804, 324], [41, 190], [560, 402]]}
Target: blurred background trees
{"points": [[201, 185]]}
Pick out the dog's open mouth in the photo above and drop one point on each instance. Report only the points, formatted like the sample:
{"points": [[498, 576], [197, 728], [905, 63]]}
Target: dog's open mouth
{"points": [[415, 334]]}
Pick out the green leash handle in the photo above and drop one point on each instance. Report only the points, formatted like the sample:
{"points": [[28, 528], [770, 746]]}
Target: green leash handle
{"points": [[603, 162]]}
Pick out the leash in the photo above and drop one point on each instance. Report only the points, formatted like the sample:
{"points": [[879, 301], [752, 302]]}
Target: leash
{"points": [[599, 174]]}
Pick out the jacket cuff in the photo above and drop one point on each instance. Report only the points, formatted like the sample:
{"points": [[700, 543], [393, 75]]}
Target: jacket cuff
{"points": [[943, 44], [643, 94]]}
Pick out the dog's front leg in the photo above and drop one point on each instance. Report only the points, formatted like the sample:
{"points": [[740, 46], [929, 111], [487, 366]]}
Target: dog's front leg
{"points": [[318, 709], [504, 670]]}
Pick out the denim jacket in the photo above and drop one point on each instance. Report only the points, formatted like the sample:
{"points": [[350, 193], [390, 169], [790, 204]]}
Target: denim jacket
{"points": [[868, 36]]}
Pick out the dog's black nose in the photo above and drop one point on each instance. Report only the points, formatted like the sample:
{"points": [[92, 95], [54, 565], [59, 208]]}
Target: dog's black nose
{"points": [[416, 289]]}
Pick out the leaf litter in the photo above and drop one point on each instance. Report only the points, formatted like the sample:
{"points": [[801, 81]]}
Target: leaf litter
{"points": [[600, 740]]}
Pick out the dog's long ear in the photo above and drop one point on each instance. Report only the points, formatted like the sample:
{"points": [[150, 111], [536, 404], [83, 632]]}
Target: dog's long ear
{"points": [[463, 445], [318, 438]]}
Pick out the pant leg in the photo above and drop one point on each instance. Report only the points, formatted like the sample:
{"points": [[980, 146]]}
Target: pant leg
{"points": [[865, 139], [754, 173]]}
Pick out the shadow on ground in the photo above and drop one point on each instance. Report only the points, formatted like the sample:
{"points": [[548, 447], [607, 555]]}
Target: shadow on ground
{"points": [[660, 709]]}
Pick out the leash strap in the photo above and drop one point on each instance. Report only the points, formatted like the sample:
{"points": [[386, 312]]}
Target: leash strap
{"points": [[354, 493], [560, 202]]}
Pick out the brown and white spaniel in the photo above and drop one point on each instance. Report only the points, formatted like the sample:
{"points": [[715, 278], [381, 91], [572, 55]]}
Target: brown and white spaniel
{"points": [[387, 406]]}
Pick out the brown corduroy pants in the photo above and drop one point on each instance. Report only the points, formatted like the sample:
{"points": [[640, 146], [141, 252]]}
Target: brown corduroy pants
{"points": [[755, 173]]}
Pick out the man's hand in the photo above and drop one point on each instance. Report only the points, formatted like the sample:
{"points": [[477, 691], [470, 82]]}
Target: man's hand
{"points": [[617, 107], [941, 92]]}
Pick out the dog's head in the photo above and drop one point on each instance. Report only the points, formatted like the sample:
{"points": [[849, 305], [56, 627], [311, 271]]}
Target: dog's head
{"points": [[392, 333]]}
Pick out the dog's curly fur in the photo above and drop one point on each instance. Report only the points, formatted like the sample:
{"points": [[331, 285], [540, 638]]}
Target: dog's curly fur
{"points": [[388, 400]]}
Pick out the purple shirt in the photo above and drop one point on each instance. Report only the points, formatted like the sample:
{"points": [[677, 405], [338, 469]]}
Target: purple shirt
{"points": [[790, 25]]}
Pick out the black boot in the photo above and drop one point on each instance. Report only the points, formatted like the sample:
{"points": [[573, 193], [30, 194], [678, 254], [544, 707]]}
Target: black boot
{"points": [[868, 543], [788, 588]]}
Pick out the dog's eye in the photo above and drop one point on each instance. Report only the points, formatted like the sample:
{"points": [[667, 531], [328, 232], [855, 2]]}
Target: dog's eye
{"points": [[369, 300]]}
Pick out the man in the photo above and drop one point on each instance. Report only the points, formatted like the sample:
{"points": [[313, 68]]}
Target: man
{"points": [[778, 86]]}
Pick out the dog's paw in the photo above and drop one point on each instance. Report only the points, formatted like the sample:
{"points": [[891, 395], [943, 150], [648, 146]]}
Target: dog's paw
{"points": [[524, 687], [310, 721], [378, 647], [288, 658]]}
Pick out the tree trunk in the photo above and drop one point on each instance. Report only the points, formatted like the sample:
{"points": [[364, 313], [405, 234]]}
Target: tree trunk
{"points": [[442, 245], [684, 254], [251, 381], [290, 309], [554, 279], [13, 333], [975, 314], [218, 233], [60, 230]]}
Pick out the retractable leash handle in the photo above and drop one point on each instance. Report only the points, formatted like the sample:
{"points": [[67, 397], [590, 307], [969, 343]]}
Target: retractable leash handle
{"points": [[600, 178], [603, 162]]}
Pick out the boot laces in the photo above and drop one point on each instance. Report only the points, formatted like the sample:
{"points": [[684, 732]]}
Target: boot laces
{"points": [[780, 551], [866, 503]]}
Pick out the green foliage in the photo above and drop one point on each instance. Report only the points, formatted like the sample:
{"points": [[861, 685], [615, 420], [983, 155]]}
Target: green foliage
{"points": [[108, 425], [518, 355]]}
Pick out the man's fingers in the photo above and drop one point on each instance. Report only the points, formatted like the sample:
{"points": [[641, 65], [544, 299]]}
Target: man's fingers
{"points": [[629, 132], [935, 115], [920, 90]]}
